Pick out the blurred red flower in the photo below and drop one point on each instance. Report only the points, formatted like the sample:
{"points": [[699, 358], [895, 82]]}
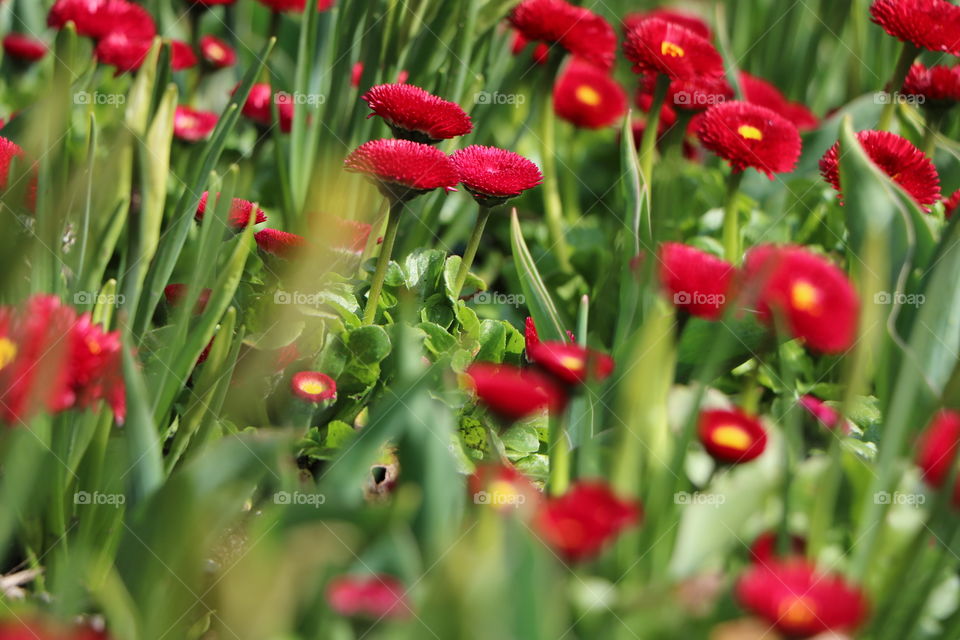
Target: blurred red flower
{"points": [[513, 393], [494, 175], [815, 298], [191, 125], [939, 85], [240, 212], [822, 412], [929, 24], [697, 282], [541, 52], [376, 596], [747, 135], [414, 114], [258, 107], [24, 48], [580, 31], [731, 436], [798, 600], [588, 97], [278, 243], [217, 53], [127, 54], [295, 5], [99, 18], [570, 363], [937, 449], [503, 488], [949, 203], [403, 169], [581, 522], [687, 20], [764, 547], [313, 386], [906, 165], [660, 47], [760, 92], [8, 151]]}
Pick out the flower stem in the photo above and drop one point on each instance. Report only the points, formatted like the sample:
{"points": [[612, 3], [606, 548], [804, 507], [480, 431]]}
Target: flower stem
{"points": [[649, 141], [731, 219], [553, 206], [383, 261], [907, 55], [930, 131], [559, 450], [472, 245]]}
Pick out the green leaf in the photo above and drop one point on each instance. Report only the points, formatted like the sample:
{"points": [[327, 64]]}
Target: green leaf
{"points": [[522, 438], [338, 434], [369, 344], [438, 339], [539, 302], [493, 341]]}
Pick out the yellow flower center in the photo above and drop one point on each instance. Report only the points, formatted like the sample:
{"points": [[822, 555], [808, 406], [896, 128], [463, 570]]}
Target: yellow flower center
{"points": [[216, 52], [94, 347], [672, 50], [313, 387], [750, 133], [504, 494], [796, 611], [732, 436], [187, 122], [805, 297], [8, 351], [588, 95], [573, 363]]}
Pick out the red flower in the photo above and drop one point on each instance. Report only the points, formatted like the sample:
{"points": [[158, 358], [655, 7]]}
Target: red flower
{"points": [[580, 523], [356, 73], [295, 5], [258, 107], [764, 547], [502, 487], [697, 281], [494, 175], [570, 363], [929, 24], [127, 54], [531, 337], [541, 52], [588, 97], [414, 114], [796, 599], [937, 449], [949, 204], [898, 158], [403, 169], [217, 53], [240, 212], [513, 393], [8, 151], [174, 294], [377, 597], [747, 135], [694, 94], [815, 298], [24, 48], [686, 20], [99, 18], [760, 92], [581, 32], [29, 629], [96, 368], [657, 46], [824, 413], [278, 243], [731, 436], [192, 125], [939, 85], [313, 386]]}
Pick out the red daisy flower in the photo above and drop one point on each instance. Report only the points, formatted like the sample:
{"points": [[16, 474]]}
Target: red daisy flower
{"points": [[760, 92], [174, 294], [588, 97], [513, 393], [697, 282], [581, 522], [531, 337], [815, 298], [356, 73], [8, 151], [96, 368], [403, 169], [376, 597], [192, 125], [898, 158], [796, 599], [24, 48], [216, 53], [502, 487], [279, 243], [949, 204], [731, 436], [313, 386], [240, 212], [494, 175], [570, 363], [127, 54], [939, 85], [687, 20], [747, 135], [694, 94], [764, 547], [937, 449], [657, 46], [414, 114], [98, 18], [581, 32], [258, 107], [295, 5], [929, 24]]}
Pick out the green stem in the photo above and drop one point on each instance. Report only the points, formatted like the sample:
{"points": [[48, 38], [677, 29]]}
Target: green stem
{"points": [[383, 261], [674, 137], [907, 55], [275, 19], [559, 450], [731, 219], [472, 245], [649, 142], [930, 131], [551, 194]]}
